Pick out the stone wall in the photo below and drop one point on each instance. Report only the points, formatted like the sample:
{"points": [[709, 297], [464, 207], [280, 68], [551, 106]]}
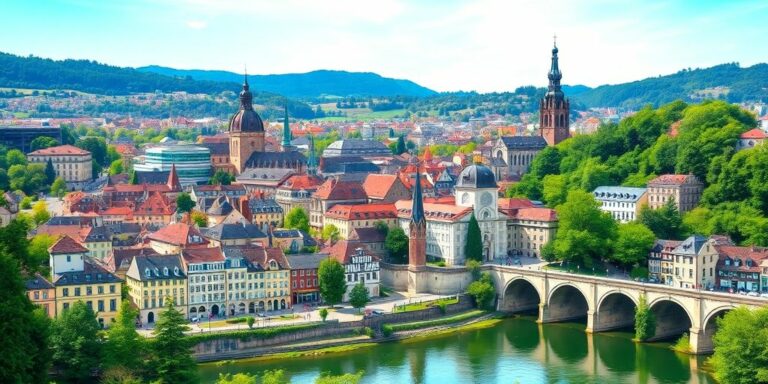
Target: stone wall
{"points": [[438, 280]]}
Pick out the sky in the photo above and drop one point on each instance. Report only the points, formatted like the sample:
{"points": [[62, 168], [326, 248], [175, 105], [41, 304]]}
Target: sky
{"points": [[446, 45]]}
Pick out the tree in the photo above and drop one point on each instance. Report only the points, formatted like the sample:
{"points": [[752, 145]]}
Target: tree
{"points": [[97, 147], [276, 376], [665, 222], [323, 313], [330, 233], [221, 177], [76, 344], [59, 187], [297, 219], [250, 321], [359, 296], [238, 378], [396, 243], [482, 291], [400, 146], [741, 347], [38, 252], [15, 157], [116, 167], [124, 347], [645, 321], [40, 213], [333, 281], [50, 173], [199, 218], [172, 357], [184, 203], [381, 226], [134, 179], [42, 142], [24, 328], [633, 243], [585, 233], [473, 248]]}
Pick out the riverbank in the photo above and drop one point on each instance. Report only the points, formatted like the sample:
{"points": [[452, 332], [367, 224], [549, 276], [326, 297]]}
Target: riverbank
{"points": [[348, 344]]}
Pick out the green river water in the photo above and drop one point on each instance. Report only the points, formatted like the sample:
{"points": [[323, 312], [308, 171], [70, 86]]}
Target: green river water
{"points": [[517, 350]]}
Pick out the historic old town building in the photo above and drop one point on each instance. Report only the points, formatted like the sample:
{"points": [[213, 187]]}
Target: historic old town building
{"points": [[71, 163], [554, 108], [684, 190]]}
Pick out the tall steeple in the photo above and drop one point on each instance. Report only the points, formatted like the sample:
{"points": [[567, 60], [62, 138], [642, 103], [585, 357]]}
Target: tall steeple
{"points": [[173, 179], [246, 97], [286, 143], [417, 228], [554, 108], [312, 161]]}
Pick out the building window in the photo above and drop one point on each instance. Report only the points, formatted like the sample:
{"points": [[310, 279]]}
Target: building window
{"points": [[112, 305]]}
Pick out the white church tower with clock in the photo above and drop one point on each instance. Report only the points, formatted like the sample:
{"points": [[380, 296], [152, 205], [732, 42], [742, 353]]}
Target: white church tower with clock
{"points": [[476, 188]]}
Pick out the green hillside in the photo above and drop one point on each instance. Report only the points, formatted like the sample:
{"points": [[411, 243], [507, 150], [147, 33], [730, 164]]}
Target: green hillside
{"points": [[729, 82]]}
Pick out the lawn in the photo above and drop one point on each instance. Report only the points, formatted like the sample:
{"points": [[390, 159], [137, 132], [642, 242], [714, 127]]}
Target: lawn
{"points": [[425, 304], [434, 323]]}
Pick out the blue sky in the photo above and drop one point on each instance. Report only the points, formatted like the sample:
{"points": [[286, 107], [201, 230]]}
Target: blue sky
{"points": [[483, 45]]}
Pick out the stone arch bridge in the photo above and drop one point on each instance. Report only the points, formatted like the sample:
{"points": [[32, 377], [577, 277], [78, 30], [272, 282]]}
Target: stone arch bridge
{"points": [[610, 304]]}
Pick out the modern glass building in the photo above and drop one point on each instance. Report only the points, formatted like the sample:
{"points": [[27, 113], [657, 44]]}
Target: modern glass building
{"points": [[193, 163]]}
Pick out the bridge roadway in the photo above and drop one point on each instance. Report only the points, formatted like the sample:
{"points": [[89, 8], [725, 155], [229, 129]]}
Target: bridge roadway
{"points": [[610, 303]]}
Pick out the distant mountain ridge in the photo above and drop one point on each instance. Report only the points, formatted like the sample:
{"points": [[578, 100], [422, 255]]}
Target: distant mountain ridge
{"points": [[729, 82], [308, 85]]}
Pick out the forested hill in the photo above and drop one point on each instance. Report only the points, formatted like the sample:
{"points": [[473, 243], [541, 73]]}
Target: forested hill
{"points": [[308, 85], [729, 82], [92, 77]]}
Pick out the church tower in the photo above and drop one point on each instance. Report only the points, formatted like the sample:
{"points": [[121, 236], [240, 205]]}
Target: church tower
{"points": [[287, 137], [417, 228], [246, 131], [312, 162], [554, 109]]}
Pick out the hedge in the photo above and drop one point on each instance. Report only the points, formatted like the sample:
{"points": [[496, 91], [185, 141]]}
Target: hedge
{"points": [[431, 323], [249, 334]]}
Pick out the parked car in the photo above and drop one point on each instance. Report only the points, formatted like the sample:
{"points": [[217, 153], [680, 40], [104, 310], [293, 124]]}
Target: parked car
{"points": [[764, 295], [194, 319], [753, 294]]}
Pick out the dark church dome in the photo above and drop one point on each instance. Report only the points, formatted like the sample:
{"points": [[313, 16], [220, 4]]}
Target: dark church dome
{"points": [[476, 176], [246, 119]]}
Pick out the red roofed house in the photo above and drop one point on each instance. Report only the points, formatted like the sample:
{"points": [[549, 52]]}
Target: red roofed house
{"points": [[176, 237], [685, 190], [297, 192], [349, 217], [739, 268], [156, 209], [751, 138], [385, 188], [530, 229], [360, 265], [71, 163], [334, 191]]}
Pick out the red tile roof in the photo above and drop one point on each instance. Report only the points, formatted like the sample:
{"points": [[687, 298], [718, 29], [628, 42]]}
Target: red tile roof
{"points": [[514, 203], [377, 185], [343, 250], [756, 254], [155, 204], [302, 182], [67, 244], [334, 189], [437, 212], [180, 234], [536, 214], [61, 150], [362, 212], [757, 134], [670, 179], [202, 255]]}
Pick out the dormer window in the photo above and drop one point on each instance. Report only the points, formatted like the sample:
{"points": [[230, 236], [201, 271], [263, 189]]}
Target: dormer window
{"points": [[727, 262], [147, 273], [272, 264], [157, 272], [165, 271], [176, 271]]}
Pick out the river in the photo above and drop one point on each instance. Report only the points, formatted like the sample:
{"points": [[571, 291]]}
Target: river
{"points": [[517, 350]]}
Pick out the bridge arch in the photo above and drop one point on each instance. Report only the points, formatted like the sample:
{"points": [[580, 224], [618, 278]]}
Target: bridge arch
{"points": [[520, 295], [615, 310], [566, 302], [705, 342], [672, 318]]}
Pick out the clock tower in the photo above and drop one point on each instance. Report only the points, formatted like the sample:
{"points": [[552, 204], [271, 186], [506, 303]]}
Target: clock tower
{"points": [[554, 108], [476, 188]]}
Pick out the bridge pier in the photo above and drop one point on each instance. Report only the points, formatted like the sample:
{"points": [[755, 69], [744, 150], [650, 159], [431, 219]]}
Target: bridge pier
{"points": [[701, 341]]}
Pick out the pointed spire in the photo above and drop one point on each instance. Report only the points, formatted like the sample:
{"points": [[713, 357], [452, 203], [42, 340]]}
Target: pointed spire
{"points": [[312, 161], [286, 129], [173, 179], [554, 72], [246, 98], [417, 210]]}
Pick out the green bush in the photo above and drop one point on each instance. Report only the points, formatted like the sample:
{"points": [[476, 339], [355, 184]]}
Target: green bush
{"points": [[367, 331], [483, 291], [323, 313], [639, 273], [238, 320], [443, 307], [250, 322], [683, 344], [246, 335], [386, 330]]}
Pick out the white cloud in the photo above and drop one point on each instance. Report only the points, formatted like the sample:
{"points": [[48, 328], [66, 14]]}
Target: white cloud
{"points": [[196, 24]]}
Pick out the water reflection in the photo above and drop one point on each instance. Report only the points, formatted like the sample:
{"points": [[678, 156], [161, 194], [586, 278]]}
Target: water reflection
{"points": [[517, 350]]}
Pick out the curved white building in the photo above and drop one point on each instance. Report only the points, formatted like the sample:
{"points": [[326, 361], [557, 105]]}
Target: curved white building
{"points": [[193, 162]]}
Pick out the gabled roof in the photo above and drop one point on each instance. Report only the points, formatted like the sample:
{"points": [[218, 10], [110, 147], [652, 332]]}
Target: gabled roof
{"points": [[92, 273], [180, 234], [433, 212], [673, 179], [155, 204], [367, 235], [334, 189], [362, 211], [202, 255], [66, 245], [690, 246], [220, 207], [258, 257], [38, 282], [378, 185], [301, 182], [306, 260], [343, 250], [157, 266], [523, 142], [233, 231], [755, 134]]}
